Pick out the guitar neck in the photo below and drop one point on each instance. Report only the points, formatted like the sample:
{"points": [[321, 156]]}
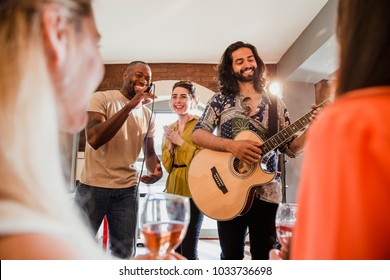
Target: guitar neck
{"points": [[285, 134]]}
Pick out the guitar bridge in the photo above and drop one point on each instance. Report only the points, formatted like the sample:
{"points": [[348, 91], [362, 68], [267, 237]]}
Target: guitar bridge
{"points": [[218, 180]]}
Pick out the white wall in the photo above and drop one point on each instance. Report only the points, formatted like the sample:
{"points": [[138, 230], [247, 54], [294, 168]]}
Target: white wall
{"points": [[298, 98]]}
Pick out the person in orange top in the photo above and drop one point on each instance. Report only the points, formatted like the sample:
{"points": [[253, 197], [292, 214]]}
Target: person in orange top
{"points": [[344, 189]]}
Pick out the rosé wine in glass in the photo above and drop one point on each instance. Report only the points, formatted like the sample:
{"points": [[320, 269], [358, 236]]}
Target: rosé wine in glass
{"points": [[164, 221], [285, 221]]}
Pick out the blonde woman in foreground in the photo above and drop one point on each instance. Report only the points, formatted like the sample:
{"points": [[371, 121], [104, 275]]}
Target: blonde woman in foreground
{"points": [[49, 65]]}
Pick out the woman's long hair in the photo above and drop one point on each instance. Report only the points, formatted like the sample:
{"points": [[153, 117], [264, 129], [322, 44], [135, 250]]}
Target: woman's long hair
{"points": [[228, 83], [31, 174], [363, 31]]}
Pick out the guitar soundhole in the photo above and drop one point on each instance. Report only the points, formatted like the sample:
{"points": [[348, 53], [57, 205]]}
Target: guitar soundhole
{"points": [[241, 169]]}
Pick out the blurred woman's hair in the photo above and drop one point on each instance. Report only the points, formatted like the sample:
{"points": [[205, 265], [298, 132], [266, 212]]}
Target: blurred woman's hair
{"points": [[31, 173], [363, 31]]}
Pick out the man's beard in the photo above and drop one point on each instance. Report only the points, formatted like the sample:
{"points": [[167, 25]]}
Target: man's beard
{"points": [[246, 79]]}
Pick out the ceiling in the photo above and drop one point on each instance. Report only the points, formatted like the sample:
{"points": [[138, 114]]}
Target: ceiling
{"points": [[198, 31]]}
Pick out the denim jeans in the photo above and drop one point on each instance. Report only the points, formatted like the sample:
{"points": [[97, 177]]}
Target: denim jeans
{"points": [[260, 219], [189, 246], [120, 206]]}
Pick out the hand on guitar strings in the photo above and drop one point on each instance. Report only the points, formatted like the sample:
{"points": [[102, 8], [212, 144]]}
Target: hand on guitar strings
{"points": [[247, 151], [315, 112]]}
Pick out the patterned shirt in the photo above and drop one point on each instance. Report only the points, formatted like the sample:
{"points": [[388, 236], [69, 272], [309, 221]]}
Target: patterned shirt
{"points": [[227, 114]]}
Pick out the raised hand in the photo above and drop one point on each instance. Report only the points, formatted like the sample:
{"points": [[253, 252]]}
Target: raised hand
{"points": [[141, 96], [173, 136]]}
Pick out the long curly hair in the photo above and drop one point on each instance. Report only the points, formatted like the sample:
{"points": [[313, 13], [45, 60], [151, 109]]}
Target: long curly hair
{"points": [[228, 84]]}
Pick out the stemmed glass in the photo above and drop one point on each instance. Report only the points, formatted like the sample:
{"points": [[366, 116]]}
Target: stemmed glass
{"points": [[285, 221], [164, 222]]}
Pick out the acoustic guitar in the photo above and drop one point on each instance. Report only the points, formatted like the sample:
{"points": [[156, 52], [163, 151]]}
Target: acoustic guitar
{"points": [[222, 186]]}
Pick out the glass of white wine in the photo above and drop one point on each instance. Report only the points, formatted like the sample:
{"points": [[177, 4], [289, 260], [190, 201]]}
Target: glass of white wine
{"points": [[164, 222], [285, 221]]}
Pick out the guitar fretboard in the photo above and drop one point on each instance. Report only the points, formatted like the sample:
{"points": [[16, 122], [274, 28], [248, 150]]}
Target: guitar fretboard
{"points": [[285, 134]]}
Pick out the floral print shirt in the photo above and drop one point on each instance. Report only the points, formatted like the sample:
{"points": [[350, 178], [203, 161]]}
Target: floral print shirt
{"points": [[227, 114]]}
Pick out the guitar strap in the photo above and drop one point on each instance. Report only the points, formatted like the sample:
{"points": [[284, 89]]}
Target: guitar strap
{"points": [[273, 129], [272, 117]]}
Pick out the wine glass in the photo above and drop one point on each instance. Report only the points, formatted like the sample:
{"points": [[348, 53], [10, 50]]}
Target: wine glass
{"points": [[164, 222], [285, 221]]}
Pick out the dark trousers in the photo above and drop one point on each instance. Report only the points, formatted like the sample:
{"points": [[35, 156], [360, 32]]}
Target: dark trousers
{"points": [[189, 246], [120, 206], [260, 220]]}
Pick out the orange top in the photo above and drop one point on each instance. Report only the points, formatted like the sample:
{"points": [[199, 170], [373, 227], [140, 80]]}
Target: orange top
{"points": [[344, 192]]}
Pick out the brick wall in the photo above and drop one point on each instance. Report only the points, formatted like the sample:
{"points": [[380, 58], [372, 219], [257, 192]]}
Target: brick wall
{"points": [[202, 74]]}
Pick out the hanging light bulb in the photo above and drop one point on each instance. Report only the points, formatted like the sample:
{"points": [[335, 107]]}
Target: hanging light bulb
{"points": [[275, 88]]}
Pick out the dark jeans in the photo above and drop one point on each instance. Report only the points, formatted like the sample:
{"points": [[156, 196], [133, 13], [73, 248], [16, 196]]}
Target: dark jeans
{"points": [[260, 219], [189, 246], [120, 206]]}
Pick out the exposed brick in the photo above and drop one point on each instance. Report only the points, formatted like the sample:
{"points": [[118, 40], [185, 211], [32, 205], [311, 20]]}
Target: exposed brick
{"points": [[203, 74]]}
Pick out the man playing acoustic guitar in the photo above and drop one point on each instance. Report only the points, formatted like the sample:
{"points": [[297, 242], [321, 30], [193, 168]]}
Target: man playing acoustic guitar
{"points": [[243, 105]]}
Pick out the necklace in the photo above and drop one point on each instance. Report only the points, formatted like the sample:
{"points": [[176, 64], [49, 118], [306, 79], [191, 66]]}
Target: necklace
{"points": [[249, 107]]}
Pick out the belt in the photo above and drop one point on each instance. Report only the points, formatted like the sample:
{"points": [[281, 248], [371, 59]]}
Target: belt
{"points": [[179, 165]]}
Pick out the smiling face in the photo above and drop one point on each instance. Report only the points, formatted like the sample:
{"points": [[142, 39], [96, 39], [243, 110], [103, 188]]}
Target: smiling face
{"points": [[244, 65], [139, 75], [181, 101]]}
